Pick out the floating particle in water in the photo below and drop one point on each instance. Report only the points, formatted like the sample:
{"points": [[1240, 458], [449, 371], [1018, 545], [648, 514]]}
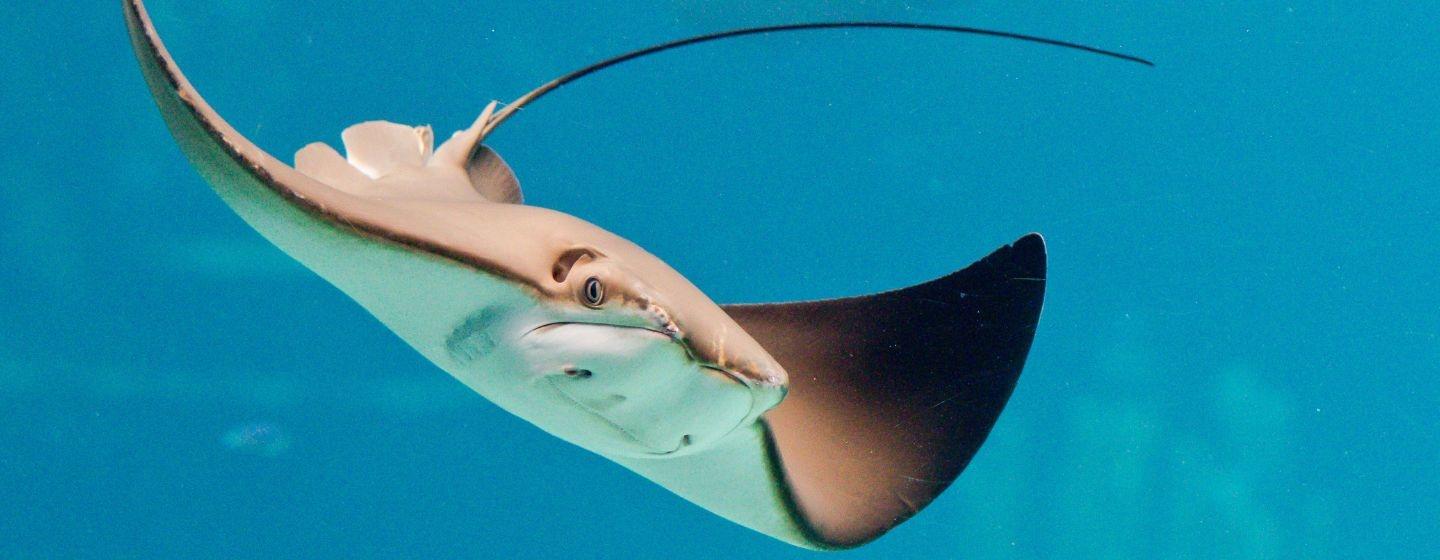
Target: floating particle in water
{"points": [[262, 439]]}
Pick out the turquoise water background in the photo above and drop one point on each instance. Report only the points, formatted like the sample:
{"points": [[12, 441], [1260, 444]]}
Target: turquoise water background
{"points": [[1237, 358]]}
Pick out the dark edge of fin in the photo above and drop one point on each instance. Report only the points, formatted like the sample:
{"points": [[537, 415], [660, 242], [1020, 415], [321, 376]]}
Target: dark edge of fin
{"points": [[247, 177], [892, 394]]}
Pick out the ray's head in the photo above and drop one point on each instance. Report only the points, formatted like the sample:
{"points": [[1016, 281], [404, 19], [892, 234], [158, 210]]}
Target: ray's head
{"points": [[582, 332], [640, 363]]}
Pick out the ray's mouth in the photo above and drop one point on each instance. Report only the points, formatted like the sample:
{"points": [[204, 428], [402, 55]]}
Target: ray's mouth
{"points": [[669, 333], [684, 442], [577, 373]]}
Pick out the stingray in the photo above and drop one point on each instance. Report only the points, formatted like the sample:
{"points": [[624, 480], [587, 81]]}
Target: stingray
{"points": [[823, 424]]}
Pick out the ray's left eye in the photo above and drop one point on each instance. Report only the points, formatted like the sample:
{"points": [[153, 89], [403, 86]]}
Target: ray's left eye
{"points": [[594, 293]]}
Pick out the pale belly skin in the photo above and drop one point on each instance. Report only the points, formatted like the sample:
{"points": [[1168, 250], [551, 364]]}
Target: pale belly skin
{"points": [[623, 391]]}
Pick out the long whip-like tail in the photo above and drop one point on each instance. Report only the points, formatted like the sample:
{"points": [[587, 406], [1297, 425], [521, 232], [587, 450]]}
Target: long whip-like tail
{"points": [[510, 109]]}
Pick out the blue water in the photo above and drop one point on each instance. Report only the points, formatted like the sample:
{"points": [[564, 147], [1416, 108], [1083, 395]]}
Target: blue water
{"points": [[1237, 358]]}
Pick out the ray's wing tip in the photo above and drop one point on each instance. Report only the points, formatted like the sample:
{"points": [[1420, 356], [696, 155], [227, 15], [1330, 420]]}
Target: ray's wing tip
{"points": [[1033, 237], [1029, 255], [133, 10], [1023, 260]]}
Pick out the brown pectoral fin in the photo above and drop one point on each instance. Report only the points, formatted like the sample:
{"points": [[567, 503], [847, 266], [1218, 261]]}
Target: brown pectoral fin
{"points": [[892, 394]]}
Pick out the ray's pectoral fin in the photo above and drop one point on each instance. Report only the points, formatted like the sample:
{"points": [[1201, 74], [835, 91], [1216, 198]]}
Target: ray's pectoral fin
{"points": [[892, 394], [395, 225]]}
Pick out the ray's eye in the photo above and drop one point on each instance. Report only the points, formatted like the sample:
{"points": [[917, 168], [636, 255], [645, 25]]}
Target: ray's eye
{"points": [[594, 292]]}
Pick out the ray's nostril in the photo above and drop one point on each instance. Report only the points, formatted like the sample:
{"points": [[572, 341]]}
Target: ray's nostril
{"points": [[578, 373]]}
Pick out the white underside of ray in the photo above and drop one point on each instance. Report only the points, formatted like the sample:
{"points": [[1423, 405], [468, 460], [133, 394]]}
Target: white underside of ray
{"points": [[734, 479], [415, 293]]}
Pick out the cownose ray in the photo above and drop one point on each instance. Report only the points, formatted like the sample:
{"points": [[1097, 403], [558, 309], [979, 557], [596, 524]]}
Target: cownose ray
{"points": [[822, 423]]}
